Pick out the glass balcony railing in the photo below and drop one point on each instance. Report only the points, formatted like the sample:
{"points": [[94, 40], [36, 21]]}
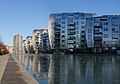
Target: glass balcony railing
{"points": [[97, 38]]}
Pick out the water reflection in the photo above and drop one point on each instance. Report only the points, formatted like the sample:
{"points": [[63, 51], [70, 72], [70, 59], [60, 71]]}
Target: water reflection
{"points": [[73, 69], [84, 69]]}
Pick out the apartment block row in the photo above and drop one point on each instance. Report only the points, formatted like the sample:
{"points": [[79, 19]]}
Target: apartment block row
{"points": [[76, 31], [38, 42]]}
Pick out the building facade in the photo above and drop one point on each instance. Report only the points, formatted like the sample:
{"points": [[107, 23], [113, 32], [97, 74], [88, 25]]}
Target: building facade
{"points": [[67, 30], [40, 39], [17, 43], [29, 44], [10, 49], [103, 32]]}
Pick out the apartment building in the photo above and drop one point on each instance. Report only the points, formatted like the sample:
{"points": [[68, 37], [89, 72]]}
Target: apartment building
{"points": [[67, 30], [17, 43], [29, 44], [40, 39], [103, 32]]}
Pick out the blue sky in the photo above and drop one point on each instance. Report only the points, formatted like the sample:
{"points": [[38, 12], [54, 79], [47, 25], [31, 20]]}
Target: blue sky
{"points": [[22, 16]]}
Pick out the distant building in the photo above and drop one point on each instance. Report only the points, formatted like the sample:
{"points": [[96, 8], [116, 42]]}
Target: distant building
{"points": [[29, 44], [17, 43], [24, 44], [40, 38], [10, 49], [103, 32], [67, 30]]}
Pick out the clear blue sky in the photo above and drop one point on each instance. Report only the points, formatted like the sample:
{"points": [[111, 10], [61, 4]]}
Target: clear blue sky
{"points": [[22, 16]]}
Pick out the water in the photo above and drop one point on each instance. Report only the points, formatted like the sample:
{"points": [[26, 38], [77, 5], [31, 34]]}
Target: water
{"points": [[73, 69]]}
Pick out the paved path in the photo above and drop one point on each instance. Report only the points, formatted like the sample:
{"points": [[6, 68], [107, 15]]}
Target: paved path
{"points": [[16, 74], [3, 63]]}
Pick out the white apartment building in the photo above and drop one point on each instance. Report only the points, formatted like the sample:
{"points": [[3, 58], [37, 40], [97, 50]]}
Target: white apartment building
{"points": [[40, 39], [17, 43], [103, 32], [67, 30]]}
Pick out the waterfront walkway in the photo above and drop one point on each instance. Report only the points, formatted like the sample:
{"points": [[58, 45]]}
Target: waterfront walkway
{"points": [[11, 72]]}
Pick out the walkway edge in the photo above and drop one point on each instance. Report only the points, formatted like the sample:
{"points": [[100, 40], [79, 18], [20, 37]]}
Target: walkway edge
{"points": [[29, 79], [3, 63]]}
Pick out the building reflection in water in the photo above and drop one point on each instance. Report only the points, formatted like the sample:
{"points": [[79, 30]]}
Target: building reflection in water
{"points": [[84, 69], [72, 69]]}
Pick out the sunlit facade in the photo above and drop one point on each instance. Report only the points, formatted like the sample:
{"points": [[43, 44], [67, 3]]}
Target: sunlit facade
{"points": [[103, 32], [17, 43], [41, 39], [67, 30]]}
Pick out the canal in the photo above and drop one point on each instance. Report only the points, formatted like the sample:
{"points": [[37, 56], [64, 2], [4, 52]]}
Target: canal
{"points": [[72, 68]]}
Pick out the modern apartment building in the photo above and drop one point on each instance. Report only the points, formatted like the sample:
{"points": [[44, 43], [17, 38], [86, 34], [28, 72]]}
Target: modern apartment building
{"points": [[67, 30], [40, 39], [24, 46], [17, 43], [103, 32], [29, 44]]}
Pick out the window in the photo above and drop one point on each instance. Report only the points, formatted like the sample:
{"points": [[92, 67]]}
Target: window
{"points": [[63, 35], [77, 23], [106, 42], [113, 30], [82, 26], [82, 31], [77, 27], [77, 32], [82, 22], [90, 24], [63, 31], [105, 29], [89, 30], [89, 37], [63, 27], [76, 18], [63, 18], [113, 36], [105, 36], [113, 42], [63, 45], [106, 23], [63, 40], [63, 22], [82, 18]]}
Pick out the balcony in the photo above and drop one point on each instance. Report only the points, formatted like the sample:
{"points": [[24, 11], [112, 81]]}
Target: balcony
{"points": [[57, 28], [97, 44], [97, 32], [71, 33], [71, 28], [71, 24], [97, 38], [57, 32], [56, 24], [57, 38], [71, 42], [71, 38], [98, 26]]}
